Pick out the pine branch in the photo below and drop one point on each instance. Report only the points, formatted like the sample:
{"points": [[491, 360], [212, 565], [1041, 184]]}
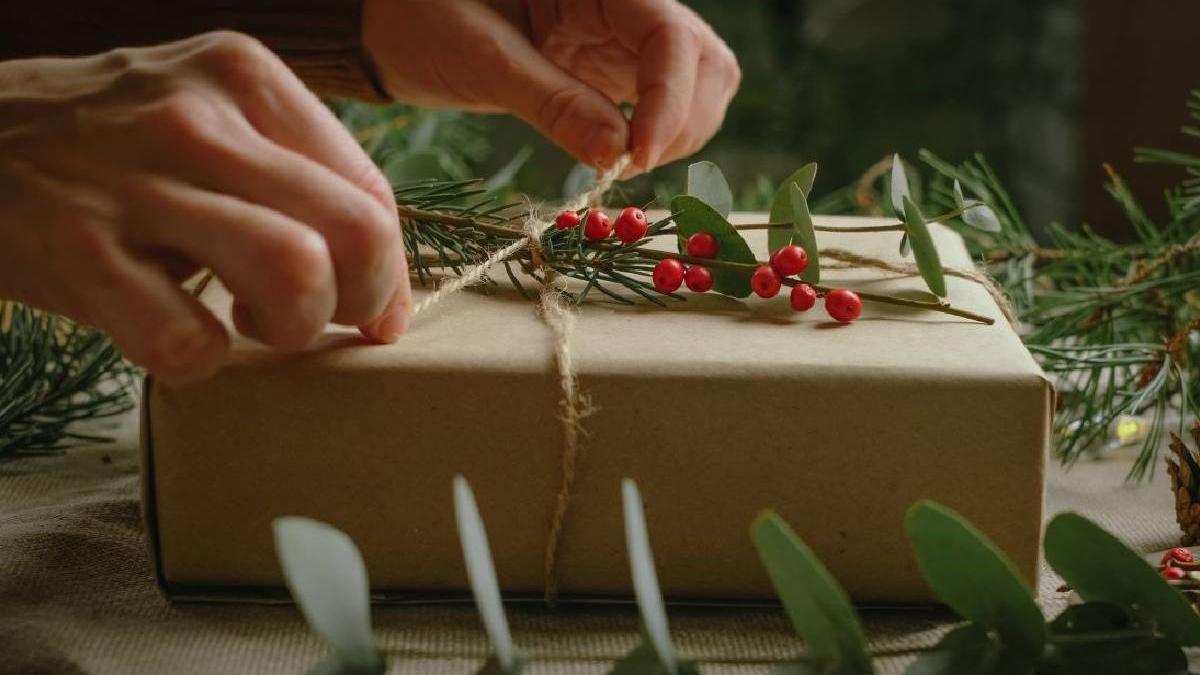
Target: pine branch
{"points": [[1115, 323], [53, 374]]}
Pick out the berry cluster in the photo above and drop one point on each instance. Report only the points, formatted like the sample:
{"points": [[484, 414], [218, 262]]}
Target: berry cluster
{"points": [[631, 225], [1176, 564], [669, 274]]}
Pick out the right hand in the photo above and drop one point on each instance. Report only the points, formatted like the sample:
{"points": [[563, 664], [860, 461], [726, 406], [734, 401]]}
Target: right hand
{"points": [[124, 173]]}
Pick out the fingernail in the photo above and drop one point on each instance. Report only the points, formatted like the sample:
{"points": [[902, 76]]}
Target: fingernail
{"points": [[392, 325], [603, 146]]}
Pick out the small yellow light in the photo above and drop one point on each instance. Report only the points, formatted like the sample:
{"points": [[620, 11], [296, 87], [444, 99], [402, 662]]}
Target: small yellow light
{"points": [[1129, 430]]}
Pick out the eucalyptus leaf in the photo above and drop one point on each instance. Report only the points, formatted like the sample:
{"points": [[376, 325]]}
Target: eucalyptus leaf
{"points": [[1099, 567], [971, 575], [981, 216], [925, 252], [970, 649], [482, 574], [899, 184], [974, 212], [645, 579], [327, 578], [804, 235], [817, 605], [781, 205], [692, 216], [706, 183]]}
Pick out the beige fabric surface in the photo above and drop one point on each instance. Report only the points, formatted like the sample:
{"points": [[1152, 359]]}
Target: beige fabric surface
{"points": [[77, 595]]}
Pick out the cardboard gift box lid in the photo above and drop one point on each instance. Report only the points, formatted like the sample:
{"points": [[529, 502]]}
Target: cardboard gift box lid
{"points": [[718, 407]]}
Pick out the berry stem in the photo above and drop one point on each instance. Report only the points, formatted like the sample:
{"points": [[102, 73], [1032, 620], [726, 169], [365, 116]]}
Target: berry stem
{"points": [[935, 306], [511, 233]]}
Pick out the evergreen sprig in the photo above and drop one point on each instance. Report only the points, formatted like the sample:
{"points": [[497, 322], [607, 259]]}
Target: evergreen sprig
{"points": [[1115, 322], [54, 373]]}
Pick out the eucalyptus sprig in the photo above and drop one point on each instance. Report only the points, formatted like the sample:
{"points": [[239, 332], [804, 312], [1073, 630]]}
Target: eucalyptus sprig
{"points": [[1131, 621], [452, 225]]}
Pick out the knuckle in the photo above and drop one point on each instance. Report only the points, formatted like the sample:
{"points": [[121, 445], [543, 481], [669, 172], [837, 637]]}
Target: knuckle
{"points": [[78, 237], [183, 115], [300, 262], [237, 57], [368, 235]]}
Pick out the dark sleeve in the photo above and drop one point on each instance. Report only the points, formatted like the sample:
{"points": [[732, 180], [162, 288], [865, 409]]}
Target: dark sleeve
{"points": [[319, 39]]}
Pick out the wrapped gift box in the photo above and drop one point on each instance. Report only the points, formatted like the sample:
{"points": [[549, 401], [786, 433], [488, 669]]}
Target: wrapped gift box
{"points": [[719, 408]]}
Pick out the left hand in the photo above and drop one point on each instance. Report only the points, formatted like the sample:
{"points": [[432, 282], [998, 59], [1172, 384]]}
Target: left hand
{"points": [[563, 66]]}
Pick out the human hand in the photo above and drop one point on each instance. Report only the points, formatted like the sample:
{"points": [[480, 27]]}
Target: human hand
{"points": [[563, 66], [124, 173]]}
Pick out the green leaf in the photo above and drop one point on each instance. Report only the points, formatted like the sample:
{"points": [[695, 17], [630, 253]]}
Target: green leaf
{"points": [[645, 578], [804, 234], [817, 605], [695, 216], [706, 183], [899, 184], [974, 212], [971, 575], [971, 649], [781, 205], [928, 262], [1099, 567], [327, 578], [481, 573]]}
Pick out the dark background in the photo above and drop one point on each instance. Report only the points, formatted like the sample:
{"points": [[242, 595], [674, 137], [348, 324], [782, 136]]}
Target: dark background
{"points": [[1047, 90]]}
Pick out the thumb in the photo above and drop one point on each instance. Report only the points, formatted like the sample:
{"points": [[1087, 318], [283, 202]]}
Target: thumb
{"points": [[580, 119]]}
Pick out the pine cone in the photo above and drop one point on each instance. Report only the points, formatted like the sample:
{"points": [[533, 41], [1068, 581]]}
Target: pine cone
{"points": [[1185, 483]]}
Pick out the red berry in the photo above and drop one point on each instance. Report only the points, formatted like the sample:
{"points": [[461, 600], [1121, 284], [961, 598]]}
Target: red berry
{"points": [[631, 224], [698, 279], [1178, 555], [702, 245], [566, 220], [1173, 573], [843, 305], [668, 275], [803, 297], [598, 226], [789, 260], [765, 282]]}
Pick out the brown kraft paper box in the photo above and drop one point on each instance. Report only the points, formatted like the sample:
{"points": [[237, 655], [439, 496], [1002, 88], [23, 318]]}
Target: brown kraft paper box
{"points": [[718, 408]]}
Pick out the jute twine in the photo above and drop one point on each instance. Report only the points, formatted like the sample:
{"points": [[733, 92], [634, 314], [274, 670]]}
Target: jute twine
{"points": [[554, 310], [852, 259], [561, 320]]}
